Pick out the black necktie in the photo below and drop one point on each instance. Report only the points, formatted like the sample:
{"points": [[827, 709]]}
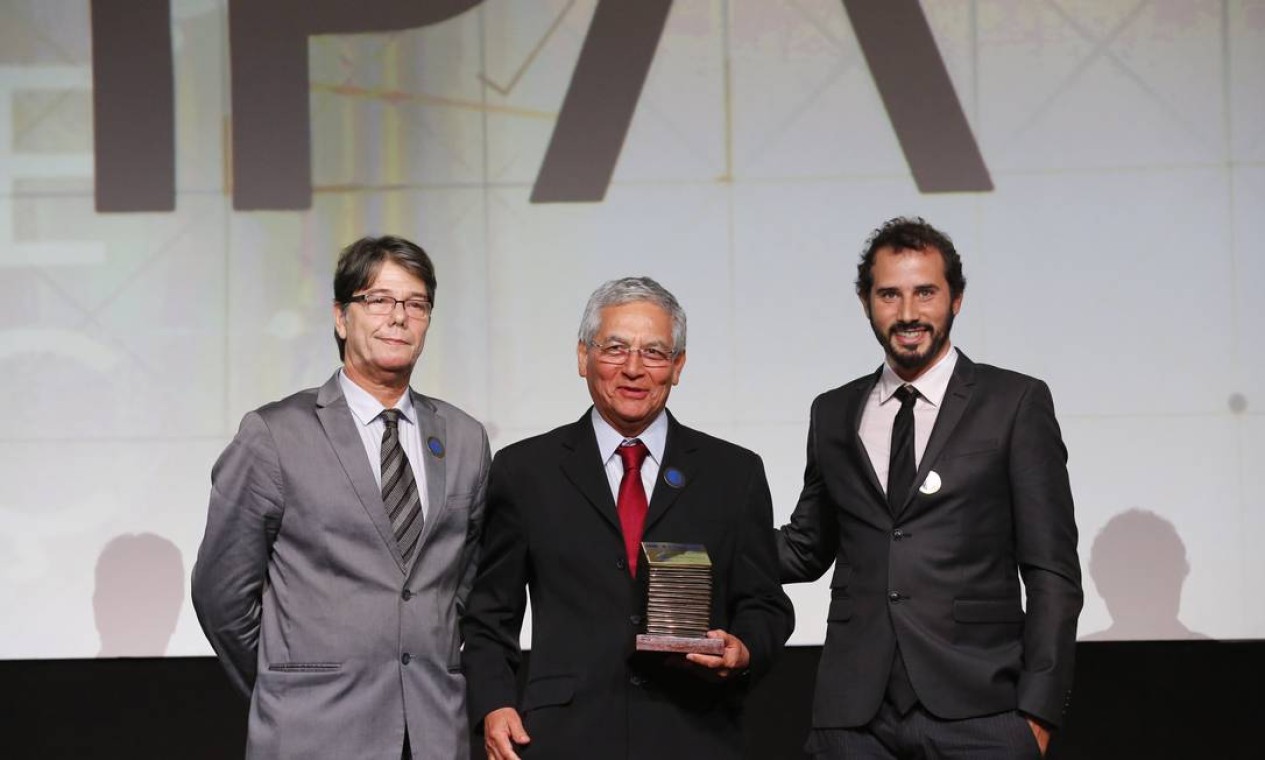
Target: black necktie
{"points": [[900, 478], [900, 467], [399, 489]]}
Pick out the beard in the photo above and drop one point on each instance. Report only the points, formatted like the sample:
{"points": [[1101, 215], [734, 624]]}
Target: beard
{"points": [[917, 360]]}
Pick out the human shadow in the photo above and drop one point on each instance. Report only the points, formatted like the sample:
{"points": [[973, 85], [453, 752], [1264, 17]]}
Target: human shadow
{"points": [[138, 596], [1138, 564]]}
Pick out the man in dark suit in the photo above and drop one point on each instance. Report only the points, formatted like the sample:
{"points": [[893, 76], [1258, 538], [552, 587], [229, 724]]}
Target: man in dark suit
{"points": [[934, 485], [564, 523], [341, 539]]}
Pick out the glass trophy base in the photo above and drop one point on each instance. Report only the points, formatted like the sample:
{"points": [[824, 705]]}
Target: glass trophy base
{"points": [[647, 642]]}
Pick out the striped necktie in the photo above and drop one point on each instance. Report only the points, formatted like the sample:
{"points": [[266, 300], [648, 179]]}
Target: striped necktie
{"points": [[399, 489]]}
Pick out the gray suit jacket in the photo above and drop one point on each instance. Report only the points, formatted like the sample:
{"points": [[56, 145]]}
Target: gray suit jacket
{"points": [[300, 587]]}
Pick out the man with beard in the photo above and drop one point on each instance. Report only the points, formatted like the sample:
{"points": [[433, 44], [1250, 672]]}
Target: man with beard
{"points": [[934, 484]]}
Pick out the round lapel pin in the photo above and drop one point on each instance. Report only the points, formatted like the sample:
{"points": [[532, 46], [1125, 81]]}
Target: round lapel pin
{"points": [[674, 477], [931, 484], [436, 448]]}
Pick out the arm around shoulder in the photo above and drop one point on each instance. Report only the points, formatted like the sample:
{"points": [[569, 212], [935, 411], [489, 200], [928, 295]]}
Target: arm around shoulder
{"points": [[807, 545]]}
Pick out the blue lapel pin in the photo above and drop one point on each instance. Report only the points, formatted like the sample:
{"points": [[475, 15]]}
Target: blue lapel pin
{"points": [[674, 477], [436, 448]]}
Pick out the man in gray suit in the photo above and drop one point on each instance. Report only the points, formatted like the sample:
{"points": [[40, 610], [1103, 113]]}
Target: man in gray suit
{"points": [[341, 539]]}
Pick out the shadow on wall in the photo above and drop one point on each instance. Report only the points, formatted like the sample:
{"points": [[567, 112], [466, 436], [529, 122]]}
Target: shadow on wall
{"points": [[139, 592], [1138, 563]]}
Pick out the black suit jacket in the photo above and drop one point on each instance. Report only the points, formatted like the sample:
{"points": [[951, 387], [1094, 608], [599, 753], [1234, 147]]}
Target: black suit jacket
{"points": [[942, 575], [552, 529]]}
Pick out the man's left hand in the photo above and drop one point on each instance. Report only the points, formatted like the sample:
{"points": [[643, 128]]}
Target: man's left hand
{"points": [[735, 658], [1042, 733]]}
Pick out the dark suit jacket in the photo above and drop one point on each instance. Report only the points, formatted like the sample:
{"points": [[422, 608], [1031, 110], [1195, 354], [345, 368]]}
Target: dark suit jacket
{"points": [[552, 529], [942, 576]]}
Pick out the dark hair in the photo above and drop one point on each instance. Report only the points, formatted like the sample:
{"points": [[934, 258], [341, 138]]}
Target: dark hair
{"points": [[359, 263], [910, 234]]}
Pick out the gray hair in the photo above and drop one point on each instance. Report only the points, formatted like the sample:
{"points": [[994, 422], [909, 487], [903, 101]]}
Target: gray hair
{"points": [[631, 290]]}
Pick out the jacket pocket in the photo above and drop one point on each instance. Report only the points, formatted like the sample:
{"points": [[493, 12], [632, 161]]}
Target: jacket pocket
{"points": [[548, 691], [305, 667], [987, 611]]}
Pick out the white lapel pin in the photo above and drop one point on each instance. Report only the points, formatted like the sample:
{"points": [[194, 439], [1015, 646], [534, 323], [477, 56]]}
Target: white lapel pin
{"points": [[931, 484]]}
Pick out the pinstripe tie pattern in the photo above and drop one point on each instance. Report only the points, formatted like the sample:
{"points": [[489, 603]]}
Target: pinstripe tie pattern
{"points": [[399, 489]]}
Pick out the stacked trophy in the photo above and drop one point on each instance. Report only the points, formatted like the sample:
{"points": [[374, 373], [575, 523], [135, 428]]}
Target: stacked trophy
{"points": [[679, 600]]}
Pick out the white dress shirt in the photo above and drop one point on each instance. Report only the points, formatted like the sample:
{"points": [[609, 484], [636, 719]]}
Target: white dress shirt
{"points": [[655, 436], [367, 411], [881, 407]]}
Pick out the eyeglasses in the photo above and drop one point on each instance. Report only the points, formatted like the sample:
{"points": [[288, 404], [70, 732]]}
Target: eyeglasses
{"points": [[618, 353], [381, 305]]}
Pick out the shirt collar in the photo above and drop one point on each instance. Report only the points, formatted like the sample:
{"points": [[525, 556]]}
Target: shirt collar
{"points": [[931, 385], [655, 436], [365, 408]]}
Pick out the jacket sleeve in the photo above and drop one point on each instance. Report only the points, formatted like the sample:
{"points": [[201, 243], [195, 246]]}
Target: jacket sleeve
{"points": [[243, 518], [474, 534], [494, 611], [807, 545], [1045, 536]]}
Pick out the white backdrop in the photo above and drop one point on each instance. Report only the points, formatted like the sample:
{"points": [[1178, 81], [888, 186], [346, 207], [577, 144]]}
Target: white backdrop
{"points": [[1119, 258]]}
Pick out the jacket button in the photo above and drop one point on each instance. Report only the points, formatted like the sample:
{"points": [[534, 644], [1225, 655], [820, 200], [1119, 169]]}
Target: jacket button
{"points": [[405, 658], [636, 680], [634, 619], [621, 563], [898, 534], [893, 596], [407, 595]]}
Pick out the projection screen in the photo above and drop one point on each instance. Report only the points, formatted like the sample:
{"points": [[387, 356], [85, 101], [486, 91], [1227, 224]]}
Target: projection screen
{"points": [[166, 270]]}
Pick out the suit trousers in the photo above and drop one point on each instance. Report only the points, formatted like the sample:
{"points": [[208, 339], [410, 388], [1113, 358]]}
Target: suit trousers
{"points": [[919, 735]]}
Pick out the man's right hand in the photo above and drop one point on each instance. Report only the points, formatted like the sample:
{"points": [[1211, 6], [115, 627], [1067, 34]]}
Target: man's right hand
{"points": [[502, 732]]}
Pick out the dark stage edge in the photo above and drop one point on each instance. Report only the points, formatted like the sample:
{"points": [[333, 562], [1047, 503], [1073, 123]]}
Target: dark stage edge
{"points": [[1177, 699]]}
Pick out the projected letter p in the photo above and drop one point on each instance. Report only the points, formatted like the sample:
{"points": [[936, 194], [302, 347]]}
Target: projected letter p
{"points": [[271, 133]]}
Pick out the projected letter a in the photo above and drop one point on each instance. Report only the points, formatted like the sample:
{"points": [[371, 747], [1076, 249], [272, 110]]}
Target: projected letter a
{"points": [[901, 52]]}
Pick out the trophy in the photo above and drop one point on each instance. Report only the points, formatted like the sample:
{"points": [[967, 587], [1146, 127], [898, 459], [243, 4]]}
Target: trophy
{"points": [[679, 600]]}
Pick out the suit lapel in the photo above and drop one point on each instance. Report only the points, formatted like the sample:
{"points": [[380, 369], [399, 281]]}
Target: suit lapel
{"points": [[956, 399], [582, 465], [434, 436], [340, 429], [857, 450], [679, 468]]}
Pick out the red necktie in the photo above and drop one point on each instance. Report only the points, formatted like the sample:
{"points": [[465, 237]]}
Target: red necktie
{"points": [[632, 504]]}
